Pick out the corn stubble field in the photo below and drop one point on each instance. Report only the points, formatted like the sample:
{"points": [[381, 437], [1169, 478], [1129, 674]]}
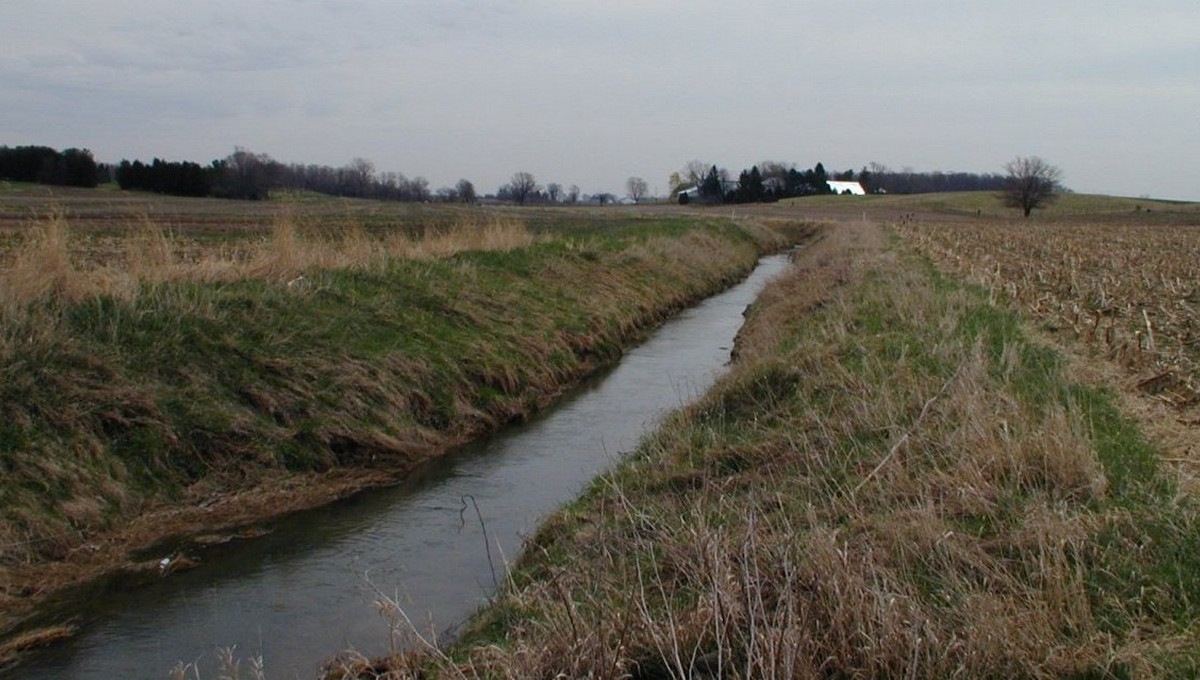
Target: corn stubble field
{"points": [[899, 478], [1130, 291]]}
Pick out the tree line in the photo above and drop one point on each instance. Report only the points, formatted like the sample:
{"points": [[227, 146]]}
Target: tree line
{"points": [[879, 179], [248, 175], [182, 178], [524, 189], [45, 165], [252, 176], [773, 181]]}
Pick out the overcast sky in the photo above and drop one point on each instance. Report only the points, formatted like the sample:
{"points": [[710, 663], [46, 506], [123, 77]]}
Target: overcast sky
{"points": [[590, 92]]}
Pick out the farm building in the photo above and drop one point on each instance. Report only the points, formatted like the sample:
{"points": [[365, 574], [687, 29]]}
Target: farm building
{"points": [[854, 188]]}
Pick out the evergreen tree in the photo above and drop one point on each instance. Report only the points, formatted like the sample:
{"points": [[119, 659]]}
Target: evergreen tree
{"points": [[44, 165], [754, 187], [76, 168], [710, 189], [819, 181]]}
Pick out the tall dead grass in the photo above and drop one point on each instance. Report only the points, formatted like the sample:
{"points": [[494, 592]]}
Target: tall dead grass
{"points": [[489, 233], [42, 267], [47, 265]]}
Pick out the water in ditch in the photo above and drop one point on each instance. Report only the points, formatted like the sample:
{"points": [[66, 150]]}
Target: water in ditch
{"points": [[305, 591]]}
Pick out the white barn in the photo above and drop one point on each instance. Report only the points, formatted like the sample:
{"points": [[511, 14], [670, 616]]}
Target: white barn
{"points": [[839, 187]]}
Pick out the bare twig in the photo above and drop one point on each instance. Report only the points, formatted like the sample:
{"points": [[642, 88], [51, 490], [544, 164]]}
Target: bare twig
{"points": [[486, 541]]}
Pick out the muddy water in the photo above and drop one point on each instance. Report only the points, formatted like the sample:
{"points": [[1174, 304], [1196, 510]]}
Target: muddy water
{"points": [[305, 591]]}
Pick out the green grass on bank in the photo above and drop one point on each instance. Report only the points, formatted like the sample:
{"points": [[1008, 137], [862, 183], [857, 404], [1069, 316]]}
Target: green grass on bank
{"points": [[894, 481], [110, 403]]}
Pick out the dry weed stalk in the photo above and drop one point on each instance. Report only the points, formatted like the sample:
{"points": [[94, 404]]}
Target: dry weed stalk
{"points": [[229, 667]]}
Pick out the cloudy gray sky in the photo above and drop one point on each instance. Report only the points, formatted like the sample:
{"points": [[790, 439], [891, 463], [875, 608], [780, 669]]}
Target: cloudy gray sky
{"points": [[590, 92]]}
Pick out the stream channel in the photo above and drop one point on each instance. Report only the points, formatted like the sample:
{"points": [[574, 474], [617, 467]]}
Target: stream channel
{"points": [[305, 591]]}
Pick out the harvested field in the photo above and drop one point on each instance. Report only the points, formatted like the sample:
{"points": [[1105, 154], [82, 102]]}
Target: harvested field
{"points": [[1130, 292]]}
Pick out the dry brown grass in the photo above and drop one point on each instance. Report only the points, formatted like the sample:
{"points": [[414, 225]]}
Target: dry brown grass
{"points": [[485, 233], [42, 266], [52, 263], [12, 648]]}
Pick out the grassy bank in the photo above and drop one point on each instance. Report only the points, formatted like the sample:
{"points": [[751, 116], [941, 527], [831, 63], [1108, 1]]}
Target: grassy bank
{"points": [[153, 377], [894, 481]]}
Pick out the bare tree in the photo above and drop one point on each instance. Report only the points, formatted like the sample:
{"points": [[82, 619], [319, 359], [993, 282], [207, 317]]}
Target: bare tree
{"points": [[636, 188], [573, 194], [775, 174], [360, 175], [466, 191], [522, 186], [245, 174], [693, 174], [418, 189], [554, 191], [675, 183], [388, 185], [1030, 183]]}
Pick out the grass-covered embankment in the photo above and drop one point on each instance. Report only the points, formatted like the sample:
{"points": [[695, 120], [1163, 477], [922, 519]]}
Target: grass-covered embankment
{"points": [[894, 481], [187, 381]]}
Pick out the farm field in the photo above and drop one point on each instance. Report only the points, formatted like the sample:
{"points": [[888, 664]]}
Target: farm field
{"points": [[929, 460], [180, 367], [1130, 292]]}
